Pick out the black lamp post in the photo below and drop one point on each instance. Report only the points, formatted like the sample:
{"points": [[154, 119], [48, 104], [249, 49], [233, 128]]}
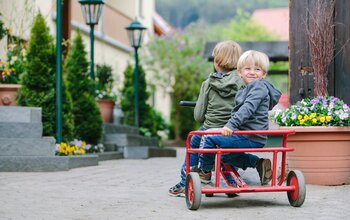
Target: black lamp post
{"points": [[135, 32], [92, 10]]}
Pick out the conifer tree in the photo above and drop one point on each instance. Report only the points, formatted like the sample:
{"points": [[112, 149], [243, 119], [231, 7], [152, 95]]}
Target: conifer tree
{"points": [[38, 81], [127, 101], [87, 116], [150, 121]]}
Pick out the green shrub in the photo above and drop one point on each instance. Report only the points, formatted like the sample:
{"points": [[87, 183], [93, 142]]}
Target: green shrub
{"points": [[3, 29], [127, 99], [150, 121], [104, 83], [87, 117], [38, 82], [104, 77]]}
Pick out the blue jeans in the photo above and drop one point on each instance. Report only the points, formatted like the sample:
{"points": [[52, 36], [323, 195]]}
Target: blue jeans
{"points": [[194, 158], [240, 160]]}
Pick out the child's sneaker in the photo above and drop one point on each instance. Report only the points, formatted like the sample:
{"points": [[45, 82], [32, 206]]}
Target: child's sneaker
{"points": [[204, 176], [263, 166], [177, 191]]}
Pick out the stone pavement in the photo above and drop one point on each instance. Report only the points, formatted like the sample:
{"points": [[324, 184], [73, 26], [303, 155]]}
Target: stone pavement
{"points": [[137, 189]]}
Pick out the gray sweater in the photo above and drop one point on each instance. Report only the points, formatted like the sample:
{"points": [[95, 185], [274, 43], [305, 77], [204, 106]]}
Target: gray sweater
{"points": [[251, 108], [216, 99]]}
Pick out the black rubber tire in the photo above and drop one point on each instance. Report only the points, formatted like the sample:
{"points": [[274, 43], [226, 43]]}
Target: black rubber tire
{"points": [[193, 191], [296, 178], [231, 195]]}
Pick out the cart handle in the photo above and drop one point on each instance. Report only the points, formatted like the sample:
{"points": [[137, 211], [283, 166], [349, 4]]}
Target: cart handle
{"points": [[187, 103], [267, 132]]}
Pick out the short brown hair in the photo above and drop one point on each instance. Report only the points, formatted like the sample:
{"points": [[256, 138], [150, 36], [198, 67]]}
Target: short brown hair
{"points": [[226, 54]]}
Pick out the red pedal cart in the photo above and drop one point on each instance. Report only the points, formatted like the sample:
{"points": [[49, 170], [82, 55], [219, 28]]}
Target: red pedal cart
{"points": [[295, 185]]}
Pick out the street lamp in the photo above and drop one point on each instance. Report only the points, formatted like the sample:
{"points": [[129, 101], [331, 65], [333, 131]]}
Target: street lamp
{"points": [[135, 32], [91, 10]]}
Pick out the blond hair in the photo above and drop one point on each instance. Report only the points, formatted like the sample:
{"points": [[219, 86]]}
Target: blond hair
{"points": [[260, 59], [226, 54]]}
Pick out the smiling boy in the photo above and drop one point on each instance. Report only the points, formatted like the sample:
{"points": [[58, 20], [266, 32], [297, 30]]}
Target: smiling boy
{"points": [[250, 112]]}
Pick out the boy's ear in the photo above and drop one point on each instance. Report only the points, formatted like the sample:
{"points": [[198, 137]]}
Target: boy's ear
{"points": [[265, 74]]}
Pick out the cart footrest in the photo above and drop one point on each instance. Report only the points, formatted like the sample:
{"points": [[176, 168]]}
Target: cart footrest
{"points": [[248, 189]]}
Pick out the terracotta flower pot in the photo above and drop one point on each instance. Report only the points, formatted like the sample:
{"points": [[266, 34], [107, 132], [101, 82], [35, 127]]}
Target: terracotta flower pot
{"points": [[106, 109], [321, 153], [8, 94]]}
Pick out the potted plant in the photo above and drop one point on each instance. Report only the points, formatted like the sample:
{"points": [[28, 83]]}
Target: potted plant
{"points": [[10, 70], [105, 97], [322, 139], [8, 92]]}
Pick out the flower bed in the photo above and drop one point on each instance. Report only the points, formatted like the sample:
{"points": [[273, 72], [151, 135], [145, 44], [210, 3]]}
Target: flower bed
{"points": [[77, 147]]}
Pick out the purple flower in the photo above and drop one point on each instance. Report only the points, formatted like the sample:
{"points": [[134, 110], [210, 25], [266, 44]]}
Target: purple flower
{"points": [[313, 101], [56, 147], [324, 101]]}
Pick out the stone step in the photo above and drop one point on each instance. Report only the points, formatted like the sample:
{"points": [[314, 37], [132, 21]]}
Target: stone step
{"points": [[110, 128], [110, 147], [82, 161], [112, 155], [144, 152], [27, 146], [45, 164], [20, 130], [130, 140], [20, 114]]}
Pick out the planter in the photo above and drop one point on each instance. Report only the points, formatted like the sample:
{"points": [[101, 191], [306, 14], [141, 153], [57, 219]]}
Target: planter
{"points": [[321, 153], [106, 109], [8, 94]]}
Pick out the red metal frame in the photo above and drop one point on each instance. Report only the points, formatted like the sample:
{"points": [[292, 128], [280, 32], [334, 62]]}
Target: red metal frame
{"points": [[244, 188]]}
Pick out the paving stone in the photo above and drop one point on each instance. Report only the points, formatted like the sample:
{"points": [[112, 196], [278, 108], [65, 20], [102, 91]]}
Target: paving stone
{"points": [[138, 189]]}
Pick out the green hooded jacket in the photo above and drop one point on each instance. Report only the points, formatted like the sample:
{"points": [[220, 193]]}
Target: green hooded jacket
{"points": [[216, 99]]}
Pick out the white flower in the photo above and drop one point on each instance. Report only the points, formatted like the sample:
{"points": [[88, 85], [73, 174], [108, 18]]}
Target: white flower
{"points": [[343, 115], [13, 60], [284, 119]]}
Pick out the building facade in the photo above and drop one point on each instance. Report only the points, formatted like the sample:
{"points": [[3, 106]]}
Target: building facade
{"points": [[112, 45]]}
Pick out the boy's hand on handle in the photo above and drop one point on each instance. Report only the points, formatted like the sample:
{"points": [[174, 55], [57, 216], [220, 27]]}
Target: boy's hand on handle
{"points": [[225, 131]]}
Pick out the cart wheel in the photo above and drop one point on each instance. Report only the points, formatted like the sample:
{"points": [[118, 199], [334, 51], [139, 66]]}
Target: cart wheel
{"points": [[193, 191], [297, 197], [231, 195], [209, 195]]}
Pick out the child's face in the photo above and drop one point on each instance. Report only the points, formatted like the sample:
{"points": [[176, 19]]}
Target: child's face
{"points": [[250, 72]]}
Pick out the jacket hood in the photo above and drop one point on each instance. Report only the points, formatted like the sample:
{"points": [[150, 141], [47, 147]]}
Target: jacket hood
{"points": [[225, 84], [273, 93]]}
